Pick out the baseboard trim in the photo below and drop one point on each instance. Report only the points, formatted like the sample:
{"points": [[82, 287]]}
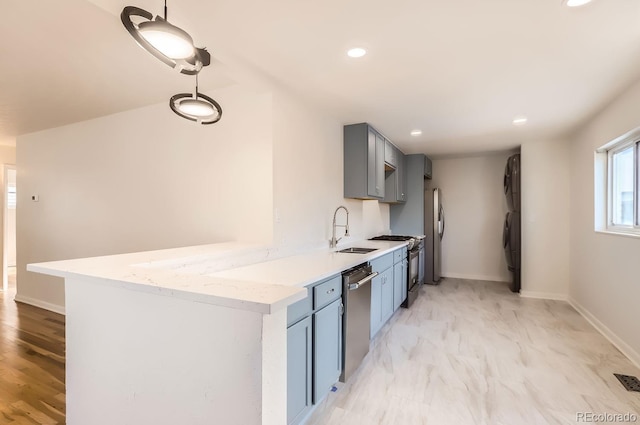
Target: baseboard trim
{"points": [[544, 295], [624, 348], [475, 277], [40, 304]]}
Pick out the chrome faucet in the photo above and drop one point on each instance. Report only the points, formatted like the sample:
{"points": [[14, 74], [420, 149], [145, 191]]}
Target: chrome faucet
{"points": [[334, 242]]}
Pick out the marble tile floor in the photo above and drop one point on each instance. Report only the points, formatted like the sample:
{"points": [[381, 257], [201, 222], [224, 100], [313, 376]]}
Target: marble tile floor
{"points": [[471, 352]]}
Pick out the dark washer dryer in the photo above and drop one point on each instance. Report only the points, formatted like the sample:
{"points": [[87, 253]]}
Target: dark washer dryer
{"points": [[512, 182], [511, 233], [511, 245]]}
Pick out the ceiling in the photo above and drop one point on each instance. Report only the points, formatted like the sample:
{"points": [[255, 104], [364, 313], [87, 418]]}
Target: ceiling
{"points": [[459, 71]]}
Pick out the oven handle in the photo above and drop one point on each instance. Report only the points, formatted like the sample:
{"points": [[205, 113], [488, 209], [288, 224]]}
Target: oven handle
{"points": [[354, 286]]}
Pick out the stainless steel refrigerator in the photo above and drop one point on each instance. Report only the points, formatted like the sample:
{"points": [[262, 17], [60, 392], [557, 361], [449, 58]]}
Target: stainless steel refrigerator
{"points": [[434, 224]]}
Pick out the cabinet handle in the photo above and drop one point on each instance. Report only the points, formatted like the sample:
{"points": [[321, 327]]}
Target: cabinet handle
{"points": [[331, 290]]}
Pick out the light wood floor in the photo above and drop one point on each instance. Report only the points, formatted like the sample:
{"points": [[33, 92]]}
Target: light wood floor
{"points": [[470, 352], [31, 363]]}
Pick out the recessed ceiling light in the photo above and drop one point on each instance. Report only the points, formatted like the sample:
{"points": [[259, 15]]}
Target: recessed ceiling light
{"points": [[520, 120], [356, 52], [416, 133], [576, 3]]}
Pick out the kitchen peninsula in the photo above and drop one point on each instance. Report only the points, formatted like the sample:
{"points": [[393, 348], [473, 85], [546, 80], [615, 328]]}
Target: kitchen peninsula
{"points": [[193, 335]]}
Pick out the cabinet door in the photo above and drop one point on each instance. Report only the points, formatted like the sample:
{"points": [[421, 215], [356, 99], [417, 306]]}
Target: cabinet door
{"points": [[401, 177], [327, 349], [298, 370], [387, 295], [390, 153], [379, 165], [376, 304], [372, 190], [397, 285]]}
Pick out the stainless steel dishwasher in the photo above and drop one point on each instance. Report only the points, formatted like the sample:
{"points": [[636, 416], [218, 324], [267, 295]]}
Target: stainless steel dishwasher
{"points": [[356, 297]]}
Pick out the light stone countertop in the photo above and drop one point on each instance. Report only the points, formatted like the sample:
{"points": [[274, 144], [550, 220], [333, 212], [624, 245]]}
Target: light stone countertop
{"points": [[242, 276]]}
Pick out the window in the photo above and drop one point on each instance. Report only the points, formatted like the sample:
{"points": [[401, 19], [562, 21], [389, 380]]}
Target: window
{"points": [[618, 166], [11, 196]]}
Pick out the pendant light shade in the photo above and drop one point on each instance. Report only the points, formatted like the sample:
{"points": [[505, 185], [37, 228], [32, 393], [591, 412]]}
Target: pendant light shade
{"points": [[170, 44], [196, 107], [170, 40]]}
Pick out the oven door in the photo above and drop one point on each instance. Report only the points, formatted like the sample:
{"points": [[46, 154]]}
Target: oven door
{"points": [[412, 278]]}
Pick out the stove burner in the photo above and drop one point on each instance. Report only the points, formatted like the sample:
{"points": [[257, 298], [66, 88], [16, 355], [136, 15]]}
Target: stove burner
{"points": [[397, 238], [392, 238]]}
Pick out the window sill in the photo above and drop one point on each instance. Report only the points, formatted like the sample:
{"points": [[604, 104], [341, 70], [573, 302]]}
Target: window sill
{"points": [[617, 233]]}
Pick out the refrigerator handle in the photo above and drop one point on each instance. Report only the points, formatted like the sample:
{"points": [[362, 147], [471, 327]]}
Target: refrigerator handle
{"points": [[442, 212]]}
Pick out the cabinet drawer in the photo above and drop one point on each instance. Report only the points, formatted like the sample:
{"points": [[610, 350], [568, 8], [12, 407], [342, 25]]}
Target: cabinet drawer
{"points": [[381, 264], [399, 254], [299, 309], [327, 291]]}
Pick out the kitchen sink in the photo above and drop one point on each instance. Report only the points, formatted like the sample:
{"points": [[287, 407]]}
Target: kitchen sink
{"points": [[356, 250]]}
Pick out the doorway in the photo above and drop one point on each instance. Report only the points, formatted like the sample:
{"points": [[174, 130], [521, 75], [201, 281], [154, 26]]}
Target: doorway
{"points": [[9, 228]]}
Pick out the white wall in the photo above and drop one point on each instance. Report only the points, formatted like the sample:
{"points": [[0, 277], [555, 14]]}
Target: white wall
{"points": [[545, 219], [475, 207], [308, 179], [605, 269], [146, 179], [141, 180]]}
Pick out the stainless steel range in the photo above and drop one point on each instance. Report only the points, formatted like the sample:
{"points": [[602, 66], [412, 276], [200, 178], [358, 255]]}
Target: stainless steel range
{"points": [[415, 274]]}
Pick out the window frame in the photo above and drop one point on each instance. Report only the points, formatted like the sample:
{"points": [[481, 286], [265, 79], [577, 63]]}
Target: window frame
{"points": [[610, 149]]}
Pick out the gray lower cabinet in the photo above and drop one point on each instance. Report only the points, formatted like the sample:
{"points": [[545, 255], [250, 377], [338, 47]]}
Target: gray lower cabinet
{"points": [[397, 285], [400, 280], [381, 300], [299, 374], [389, 288], [386, 308], [376, 305], [314, 346], [327, 349]]}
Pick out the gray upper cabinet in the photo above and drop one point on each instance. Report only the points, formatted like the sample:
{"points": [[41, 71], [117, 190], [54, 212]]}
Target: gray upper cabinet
{"points": [[363, 162], [390, 154], [395, 179], [427, 167], [401, 177]]}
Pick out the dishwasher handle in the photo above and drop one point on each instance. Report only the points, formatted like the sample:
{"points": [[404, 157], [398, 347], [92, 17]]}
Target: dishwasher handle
{"points": [[353, 286]]}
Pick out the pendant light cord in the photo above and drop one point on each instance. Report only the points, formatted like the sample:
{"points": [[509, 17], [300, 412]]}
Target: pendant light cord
{"points": [[196, 86], [165, 10]]}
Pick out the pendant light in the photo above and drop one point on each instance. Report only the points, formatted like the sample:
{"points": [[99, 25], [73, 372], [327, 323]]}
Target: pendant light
{"points": [[170, 44], [196, 107]]}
